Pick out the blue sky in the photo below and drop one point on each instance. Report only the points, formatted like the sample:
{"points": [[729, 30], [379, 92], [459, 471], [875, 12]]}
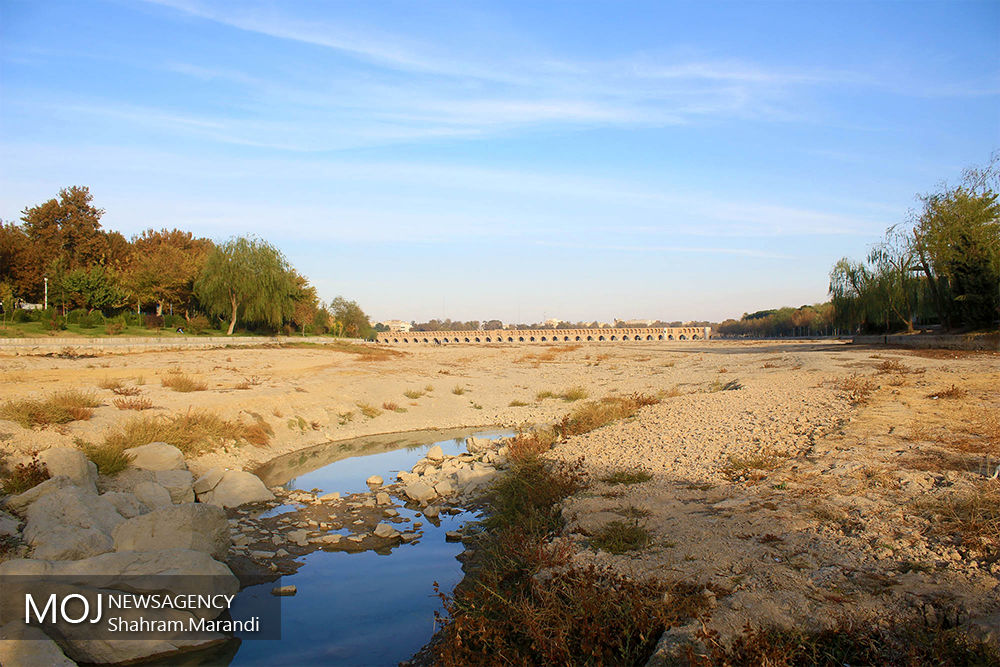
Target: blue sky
{"points": [[519, 160]]}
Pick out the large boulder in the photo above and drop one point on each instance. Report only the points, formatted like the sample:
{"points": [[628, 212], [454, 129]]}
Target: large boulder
{"points": [[127, 504], [8, 525], [209, 480], [19, 503], [237, 487], [152, 495], [70, 523], [179, 483], [71, 463], [478, 445], [419, 491], [190, 526], [179, 571], [156, 456], [26, 646], [435, 454]]}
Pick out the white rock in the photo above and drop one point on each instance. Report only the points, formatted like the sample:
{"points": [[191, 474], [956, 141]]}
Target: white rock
{"points": [[25, 646], [385, 530], [209, 480], [8, 525], [432, 511], [126, 503], [419, 491], [333, 538], [178, 483], [190, 526], [156, 456], [407, 477], [382, 498], [477, 445], [374, 481], [70, 463], [300, 537], [19, 503], [152, 495], [435, 454], [236, 488], [70, 523], [330, 496], [444, 488]]}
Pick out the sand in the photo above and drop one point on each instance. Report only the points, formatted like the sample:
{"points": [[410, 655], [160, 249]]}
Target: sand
{"points": [[831, 525]]}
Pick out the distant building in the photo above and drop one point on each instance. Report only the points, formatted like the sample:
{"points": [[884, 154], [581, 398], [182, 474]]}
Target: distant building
{"points": [[396, 325]]}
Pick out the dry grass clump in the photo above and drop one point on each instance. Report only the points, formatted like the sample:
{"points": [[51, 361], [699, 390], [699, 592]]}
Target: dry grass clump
{"points": [[573, 394], [548, 354], [109, 459], [194, 432], [953, 392], [628, 476], [61, 407], [718, 385], [858, 388], [413, 394], [516, 404], [183, 383], [392, 407], [618, 537], [133, 403], [368, 410], [458, 390], [428, 388], [529, 444], [249, 381], [542, 395], [126, 391], [971, 516], [673, 392], [23, 476], [110, 383], [595, 414], [363, 352]]}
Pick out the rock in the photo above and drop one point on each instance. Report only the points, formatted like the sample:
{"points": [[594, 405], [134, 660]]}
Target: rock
{"points": [[237, 487], [27, 646], [72, 463], [190, 526], [178, 483], [453, 536], [209, 480], [385, 530], [374, 481], [300, 537], [432, 511], [152, 495], [127, 504], [156, 456], [444, 488], [435, 454], [419, 491], [382, 498], [70, 523], [408, 537], [284, 590], [331, 539], [19, 503], [390, 512], [280, 553], [330, 496], [8, 525], [407, 477], [478, 445]]}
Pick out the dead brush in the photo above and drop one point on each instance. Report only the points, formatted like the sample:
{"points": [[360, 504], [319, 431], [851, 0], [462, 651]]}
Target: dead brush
{"points": [[61, 407], [368, 410], [249, 381], [110, 383], [970, 516], [621, 536], [528, 444], [895, 366], [952, 392], [183, 383], [125, 390], [133, 403], [739, 467], [23, 476], [858, 388], [389, 406], [878, 476]]}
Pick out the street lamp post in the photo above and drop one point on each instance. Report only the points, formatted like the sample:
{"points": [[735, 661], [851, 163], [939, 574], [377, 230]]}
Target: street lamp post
{"points": [[46, 292]]}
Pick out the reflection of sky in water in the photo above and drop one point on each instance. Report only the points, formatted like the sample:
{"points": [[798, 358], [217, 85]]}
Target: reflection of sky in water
{"points": [[365, 608], [349, 475]]}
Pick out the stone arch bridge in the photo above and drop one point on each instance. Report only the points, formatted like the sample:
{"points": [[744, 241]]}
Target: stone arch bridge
{"points": [[642, 334]]}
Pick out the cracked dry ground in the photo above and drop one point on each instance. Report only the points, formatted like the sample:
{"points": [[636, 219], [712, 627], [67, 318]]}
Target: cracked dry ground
{"points": [[836, 484]]}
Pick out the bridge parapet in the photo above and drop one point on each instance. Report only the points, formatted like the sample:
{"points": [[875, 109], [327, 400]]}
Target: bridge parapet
{"points": [[626, 334]]}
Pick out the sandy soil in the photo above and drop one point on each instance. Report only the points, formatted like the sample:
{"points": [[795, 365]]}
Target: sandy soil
{"points": [[795, 502]]}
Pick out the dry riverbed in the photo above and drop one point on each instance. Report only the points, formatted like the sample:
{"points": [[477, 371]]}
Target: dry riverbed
{"points": [[803, 482]]}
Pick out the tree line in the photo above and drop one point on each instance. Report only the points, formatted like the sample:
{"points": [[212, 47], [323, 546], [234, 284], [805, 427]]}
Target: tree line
{"points": [[59, 250], [942, 266]]}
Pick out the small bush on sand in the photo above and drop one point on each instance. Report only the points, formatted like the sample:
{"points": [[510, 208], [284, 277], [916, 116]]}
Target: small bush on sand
{"points": [[369, 411], [458, 390], [718, 385], [413, 394], [542, 395], [516, 404], [110, 383], [24, 476], [736, 466], [392, 407], [573, 394], [595, 414], [133, 403], [60, 408], [951, 392], [858, 388], [971, 516], [617, 537], [183, 383]]}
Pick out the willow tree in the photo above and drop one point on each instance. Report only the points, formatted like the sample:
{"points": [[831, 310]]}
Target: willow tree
{"points": [[247, 280]]}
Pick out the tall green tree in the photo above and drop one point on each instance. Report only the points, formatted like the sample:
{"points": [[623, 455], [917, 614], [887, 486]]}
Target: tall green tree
{"points": [[164, 266], [249, 280], [94, 288], [352, 319]]}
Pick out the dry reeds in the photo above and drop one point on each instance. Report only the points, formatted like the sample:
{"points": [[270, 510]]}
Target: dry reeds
{"points": [[133, 403], [183, 383], [60, 408], [194, 432]]}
